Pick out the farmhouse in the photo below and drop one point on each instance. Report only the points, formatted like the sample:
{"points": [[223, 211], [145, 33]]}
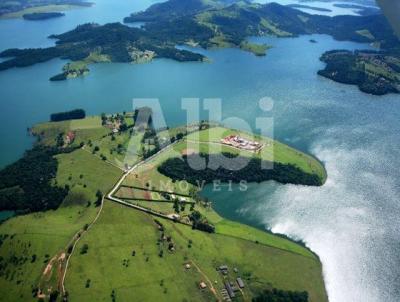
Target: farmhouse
{"points": [[229, 289], [240, 282], [202, 285], [69, 138]]}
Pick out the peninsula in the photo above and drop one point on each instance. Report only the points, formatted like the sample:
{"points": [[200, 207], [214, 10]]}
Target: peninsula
{"points": [[119, 208]]}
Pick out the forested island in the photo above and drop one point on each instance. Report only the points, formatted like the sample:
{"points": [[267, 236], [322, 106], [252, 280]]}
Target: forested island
{"points": [[72, 70], [373, 72], [42, 16]]}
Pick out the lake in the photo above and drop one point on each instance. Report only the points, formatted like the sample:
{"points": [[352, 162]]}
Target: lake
{"points": [[351, 222], [4, 215]]}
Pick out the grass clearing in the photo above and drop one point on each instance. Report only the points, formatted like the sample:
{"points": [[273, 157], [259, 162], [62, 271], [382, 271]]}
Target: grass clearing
{"points": [[85, 174], [86, 129]]}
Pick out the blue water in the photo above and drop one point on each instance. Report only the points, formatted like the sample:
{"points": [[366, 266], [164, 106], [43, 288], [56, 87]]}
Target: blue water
{"points": [[4, 215], [351, 222]]}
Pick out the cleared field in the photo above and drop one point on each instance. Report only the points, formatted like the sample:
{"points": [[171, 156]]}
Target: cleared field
{"points": [[85, 174], [86, 129], [146, 276], [121, 148], [222, 226]]}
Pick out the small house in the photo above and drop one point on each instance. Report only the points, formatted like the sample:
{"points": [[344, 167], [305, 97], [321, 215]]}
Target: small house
{"points": [[69, 138], [229, 289], [240, 282]]}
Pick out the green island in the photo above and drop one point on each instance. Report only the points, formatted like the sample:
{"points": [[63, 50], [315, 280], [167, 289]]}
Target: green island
{"points": [[120, 222], [38, 9], [42, 16], [373, 72], [202, 23]]}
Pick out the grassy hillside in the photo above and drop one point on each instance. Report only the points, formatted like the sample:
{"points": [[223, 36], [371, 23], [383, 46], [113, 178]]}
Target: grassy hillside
{"points": [[33, 239], [110, 266]]}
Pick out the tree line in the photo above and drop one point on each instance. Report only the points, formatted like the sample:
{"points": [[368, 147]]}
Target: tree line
{"points": [[276, 295], [179, 169], [68, 115]]}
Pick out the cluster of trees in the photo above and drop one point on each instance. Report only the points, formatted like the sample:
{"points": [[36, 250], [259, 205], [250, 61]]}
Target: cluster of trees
{"points": [[200, 223], [26, 184], [68, 115], [179, 169], [42, 16], [276, 295], [84, 249]]}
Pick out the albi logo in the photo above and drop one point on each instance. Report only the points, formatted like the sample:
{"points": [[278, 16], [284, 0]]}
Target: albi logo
{"points": [[202, 144]]}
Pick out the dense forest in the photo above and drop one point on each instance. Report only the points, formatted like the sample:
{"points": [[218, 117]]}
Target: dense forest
{"points": [[179, 169], [276, 295], [68, 115], [26, 184]]}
